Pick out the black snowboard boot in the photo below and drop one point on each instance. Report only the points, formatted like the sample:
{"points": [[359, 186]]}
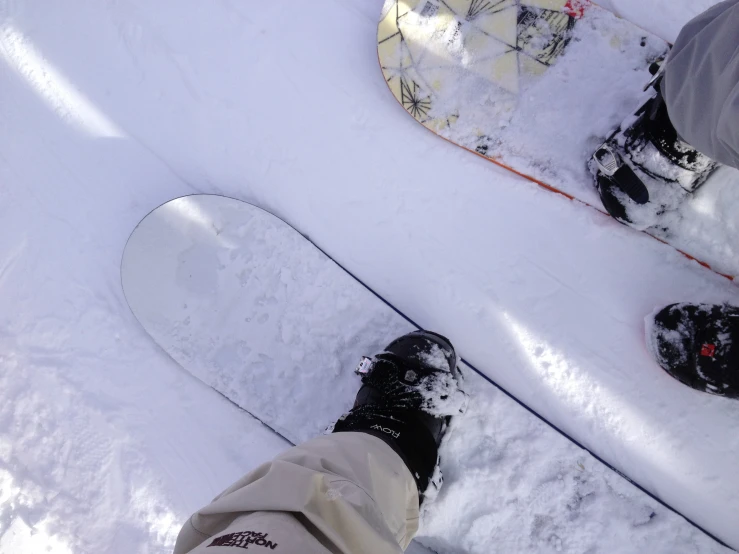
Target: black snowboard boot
{"points": [[644, 169], [409, 393], [698, 344]]}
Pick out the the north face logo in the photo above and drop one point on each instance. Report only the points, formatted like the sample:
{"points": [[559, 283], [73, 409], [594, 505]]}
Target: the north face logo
{"points": [[244, 540], [387, 430]]}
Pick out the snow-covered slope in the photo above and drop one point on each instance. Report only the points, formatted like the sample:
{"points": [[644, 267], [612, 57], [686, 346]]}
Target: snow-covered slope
{"points": [[111, 108]]}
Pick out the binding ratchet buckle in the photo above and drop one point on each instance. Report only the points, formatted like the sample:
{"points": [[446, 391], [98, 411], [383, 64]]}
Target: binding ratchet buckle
{"points": [[607, 160], [365, 364]]}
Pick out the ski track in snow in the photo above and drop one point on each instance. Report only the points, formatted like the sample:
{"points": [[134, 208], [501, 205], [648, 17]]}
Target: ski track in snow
{"points": [[106, 445]]}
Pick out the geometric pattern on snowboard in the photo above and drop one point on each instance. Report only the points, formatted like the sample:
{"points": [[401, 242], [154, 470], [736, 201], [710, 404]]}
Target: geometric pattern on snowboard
{"points": [[426, 47], [243, 302]]}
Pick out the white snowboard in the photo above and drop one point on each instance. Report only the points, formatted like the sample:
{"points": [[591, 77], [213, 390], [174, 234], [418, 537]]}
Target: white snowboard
{"points": [[252, 308]]}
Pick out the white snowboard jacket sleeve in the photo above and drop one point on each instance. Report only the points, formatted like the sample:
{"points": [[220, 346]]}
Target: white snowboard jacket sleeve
{"points": [[345, 493]]}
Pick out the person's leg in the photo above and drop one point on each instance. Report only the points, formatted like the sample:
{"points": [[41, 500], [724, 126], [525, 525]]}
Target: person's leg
{"points": [[357, 490], [346, 492], [701, 83]]}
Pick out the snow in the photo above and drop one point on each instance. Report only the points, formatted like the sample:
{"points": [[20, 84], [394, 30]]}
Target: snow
{"points": [[435, 357], [106, 445]]}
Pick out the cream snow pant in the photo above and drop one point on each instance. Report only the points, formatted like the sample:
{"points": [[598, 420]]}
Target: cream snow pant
{"points": [[345, 493]]}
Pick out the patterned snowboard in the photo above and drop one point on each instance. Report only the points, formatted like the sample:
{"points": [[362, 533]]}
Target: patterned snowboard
{"points": [[536, 86], [252, 308]]}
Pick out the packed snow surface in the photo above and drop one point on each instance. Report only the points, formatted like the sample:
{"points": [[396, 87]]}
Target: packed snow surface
{"points": [[106, 445]]}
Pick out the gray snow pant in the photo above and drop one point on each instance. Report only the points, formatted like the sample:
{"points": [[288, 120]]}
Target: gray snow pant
{"points": [[701, 83], [345, 493]]}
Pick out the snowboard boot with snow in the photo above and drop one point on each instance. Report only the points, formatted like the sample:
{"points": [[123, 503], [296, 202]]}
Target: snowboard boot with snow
{"points": [[698, 344], [644, 169], [409, 393]]}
